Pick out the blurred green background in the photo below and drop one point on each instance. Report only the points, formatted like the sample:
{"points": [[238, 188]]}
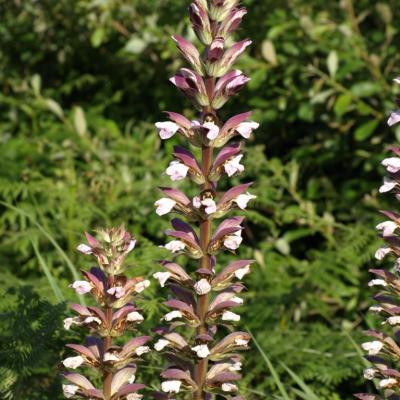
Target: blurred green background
{"points": [[82, 83]]}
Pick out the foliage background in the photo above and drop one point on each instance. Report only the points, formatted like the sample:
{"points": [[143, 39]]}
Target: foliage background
{"points": [[82, 83]]}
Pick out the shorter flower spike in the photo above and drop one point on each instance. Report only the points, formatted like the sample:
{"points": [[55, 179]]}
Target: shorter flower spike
{"points": [[115, 315]]}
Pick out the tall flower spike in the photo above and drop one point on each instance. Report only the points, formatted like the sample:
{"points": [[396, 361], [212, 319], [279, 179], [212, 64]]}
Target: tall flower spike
{"points": [[114, 315], [383, 351], [207, 364]]}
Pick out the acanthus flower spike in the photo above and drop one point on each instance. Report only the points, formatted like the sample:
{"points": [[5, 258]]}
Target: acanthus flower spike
{"points": [[383, 350], [205, 301], [115, 315]]}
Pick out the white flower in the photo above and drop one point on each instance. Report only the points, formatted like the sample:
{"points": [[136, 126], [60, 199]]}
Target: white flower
{"points": [[142, 350], [73, 362], [201, 350], [241, 342], [172, 315], [167, 129], [142, 285], [110, 357], [232, 242], [171, 386], [229, 387], [69, 390], [373, 347], [81, 287], [175, 246], [388, 185], [233, 165], [243, 199], [84, 248], [202, 287], [230, 316], [68, 322], [177, 171], [132, 379], [237, 299], [376, 309], [382, 252], [241, 272], [387, 227], [395, 320], [134, 396], [89, 320], [377, 282], [245, 128], [161, 344], [134, 316], [162, 277], [210, 206], [116, 291], [131, 246], [384, 383], [196, 202], [164, 205], [394, 118], [392, 164], [237, 366], [213, 130], [369, 373]]}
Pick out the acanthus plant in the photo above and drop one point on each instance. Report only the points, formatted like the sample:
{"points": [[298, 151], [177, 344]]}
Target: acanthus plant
{"points": [[201, 363], [114, 315], [383, 350]]}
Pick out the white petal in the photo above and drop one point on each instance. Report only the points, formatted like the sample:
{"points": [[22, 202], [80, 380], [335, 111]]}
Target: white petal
{"points": [[233, 165], [73, 362], [134, 316], [84, 248], [232, 242], [245, 128], [162, 277], [373, 347], [395, 320], [369, 373], [241, 272], [241, 342], [142, 350], [142, 285], [382, 252], [392, 164], [387, 227], [243, 199], [213, 130], [116, 291], [229, 387], [69, 390], [175, 246], [161, 344], [377, 282], [196, 202], [202, 287], [394, 118], [387, 186], [230, 316], [172, 315], [384, 383], [210, 206], [201, 350], [167, 129], [171, 386], [164, 205], [81, 287], [110, 357], [177, 171]]}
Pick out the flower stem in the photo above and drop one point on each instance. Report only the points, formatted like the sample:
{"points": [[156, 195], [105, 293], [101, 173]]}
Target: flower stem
{"points": [[205, 262], [107, 375]]}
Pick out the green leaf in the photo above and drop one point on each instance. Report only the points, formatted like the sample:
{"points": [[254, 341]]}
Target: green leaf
{"points": [[343, 103], [364, 89], [366, 130]]}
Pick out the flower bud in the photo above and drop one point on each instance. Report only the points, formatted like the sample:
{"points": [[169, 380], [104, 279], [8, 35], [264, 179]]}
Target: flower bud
{"points": [[200, 21]]}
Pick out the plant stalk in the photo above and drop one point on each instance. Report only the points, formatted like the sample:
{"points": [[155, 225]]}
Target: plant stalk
{"points": [[205, 262], [107, 376]]}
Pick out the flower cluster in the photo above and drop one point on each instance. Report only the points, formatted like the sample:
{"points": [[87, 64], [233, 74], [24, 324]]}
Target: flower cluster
{"points": [[383, 351], [205, 363], [115, 315]]}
